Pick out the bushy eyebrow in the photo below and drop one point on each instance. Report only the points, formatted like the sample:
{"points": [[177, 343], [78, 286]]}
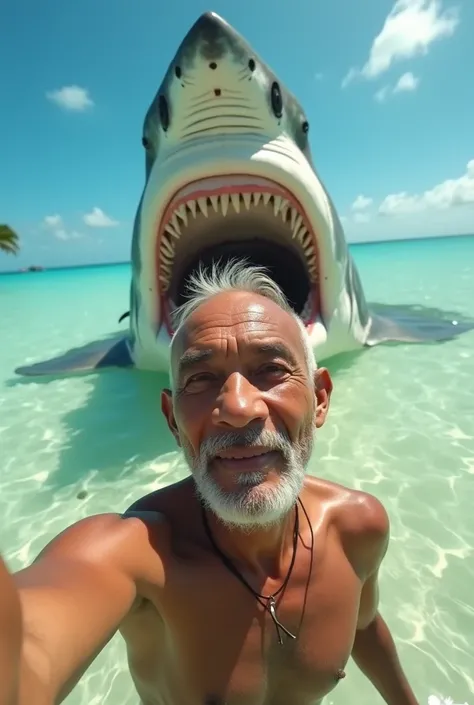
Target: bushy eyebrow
{"points": [[193, 357]]}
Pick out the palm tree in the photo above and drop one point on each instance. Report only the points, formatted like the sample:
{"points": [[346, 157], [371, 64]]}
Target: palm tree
{"points": [[9, 240]]}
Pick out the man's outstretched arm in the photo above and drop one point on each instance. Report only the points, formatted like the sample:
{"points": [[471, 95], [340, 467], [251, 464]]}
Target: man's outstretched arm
{"points": [[374, 650], [58, 613]]}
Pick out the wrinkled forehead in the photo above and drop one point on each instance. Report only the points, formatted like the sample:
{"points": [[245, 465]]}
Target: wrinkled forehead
{"points": [[236, 320]]}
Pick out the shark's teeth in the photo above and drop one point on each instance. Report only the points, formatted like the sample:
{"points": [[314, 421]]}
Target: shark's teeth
{"points": [[202, 206], [214, 203], [280, 207]]}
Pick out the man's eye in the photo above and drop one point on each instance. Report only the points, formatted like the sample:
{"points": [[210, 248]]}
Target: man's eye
{"points": [[273, 369], [198, 380]]}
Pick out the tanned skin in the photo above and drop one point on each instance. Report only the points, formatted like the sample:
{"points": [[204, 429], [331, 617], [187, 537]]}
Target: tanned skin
{"points": [[194, 634]]}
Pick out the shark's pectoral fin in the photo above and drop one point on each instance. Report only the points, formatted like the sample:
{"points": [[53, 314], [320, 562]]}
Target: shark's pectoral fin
{"points": [[111, 352], [414, 324]]}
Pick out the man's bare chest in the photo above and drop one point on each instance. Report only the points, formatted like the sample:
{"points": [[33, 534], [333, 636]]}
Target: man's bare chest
{"points": [[223, 644]]}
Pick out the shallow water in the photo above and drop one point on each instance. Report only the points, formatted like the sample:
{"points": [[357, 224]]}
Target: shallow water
{"points": [[401, 426]]}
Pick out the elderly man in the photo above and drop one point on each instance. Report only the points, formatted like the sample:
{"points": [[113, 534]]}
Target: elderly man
{"points": [[247, 583]]}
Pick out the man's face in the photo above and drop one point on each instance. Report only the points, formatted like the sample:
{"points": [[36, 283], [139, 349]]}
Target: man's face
{"points": [[244, 409]]}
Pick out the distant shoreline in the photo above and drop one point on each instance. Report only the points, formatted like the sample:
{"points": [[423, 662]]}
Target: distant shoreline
{"points": [[364, 243]]}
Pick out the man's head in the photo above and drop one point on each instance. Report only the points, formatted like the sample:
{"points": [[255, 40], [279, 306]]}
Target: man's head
{"points": [[247, 396]]}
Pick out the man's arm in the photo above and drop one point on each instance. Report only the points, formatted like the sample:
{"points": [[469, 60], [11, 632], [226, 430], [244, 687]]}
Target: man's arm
{"points": [[374, 650], [72, 600]]}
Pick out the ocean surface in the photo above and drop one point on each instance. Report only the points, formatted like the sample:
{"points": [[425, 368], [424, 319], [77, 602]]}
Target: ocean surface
{"points": [[401, 426]]}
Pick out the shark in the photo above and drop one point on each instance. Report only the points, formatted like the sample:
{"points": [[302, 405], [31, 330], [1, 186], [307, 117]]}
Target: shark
{"points": [[229, 173]]}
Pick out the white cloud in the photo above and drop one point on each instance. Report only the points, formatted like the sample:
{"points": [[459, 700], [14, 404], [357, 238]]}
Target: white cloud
{"points": [[445, 209], [448, 194], [382, 94], [361, 217], [72, 98], [406, 83], [98, 219], [361, 203], [55, 225], [409, 30], [53, 221]]}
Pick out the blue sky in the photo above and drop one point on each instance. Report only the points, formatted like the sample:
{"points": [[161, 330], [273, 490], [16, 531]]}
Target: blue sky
{"points": [[387, 87]]}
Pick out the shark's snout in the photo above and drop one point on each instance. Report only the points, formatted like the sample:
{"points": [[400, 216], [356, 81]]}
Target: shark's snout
{"points": [[210, 38], [215, 83]]}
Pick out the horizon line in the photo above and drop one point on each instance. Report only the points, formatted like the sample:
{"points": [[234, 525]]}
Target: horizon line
{"points": [[359, 243]]}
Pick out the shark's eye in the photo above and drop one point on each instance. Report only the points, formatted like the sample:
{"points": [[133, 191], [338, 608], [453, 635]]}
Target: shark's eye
{"points": [[164, 112], [177, 70], [252, 65], [146, 142], [305, 127], [277, 100]]}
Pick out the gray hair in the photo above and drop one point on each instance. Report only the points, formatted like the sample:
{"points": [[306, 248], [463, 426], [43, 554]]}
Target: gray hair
{"points": [[237, 275]]}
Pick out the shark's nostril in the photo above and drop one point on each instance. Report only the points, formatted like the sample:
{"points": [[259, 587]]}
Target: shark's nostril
{"points": [[213, 65], [217, 91]]}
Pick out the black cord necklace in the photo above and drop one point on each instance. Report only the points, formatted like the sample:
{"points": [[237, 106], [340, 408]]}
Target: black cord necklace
{"points": [[267, 601]]}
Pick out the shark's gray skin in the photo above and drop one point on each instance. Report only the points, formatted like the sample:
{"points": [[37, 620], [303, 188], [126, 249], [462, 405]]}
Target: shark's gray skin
{"points": [[228, 168]]}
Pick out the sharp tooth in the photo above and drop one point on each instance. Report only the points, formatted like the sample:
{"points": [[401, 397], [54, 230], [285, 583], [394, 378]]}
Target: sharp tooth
{"points": [[203, 205], [235, 198], [294, 215], [166, 257], [175, 223], [182, 213], [166, 246], [312, 261], [312, 273], [215, 203], [256, 198], [301, 233], [165, 281], [169, 229], [276, 204], [266, 198], [284, 209], [166, 268], [309, 250], [297, 225], [307, 240], [247, 199], [192, 207], [224, 203]]}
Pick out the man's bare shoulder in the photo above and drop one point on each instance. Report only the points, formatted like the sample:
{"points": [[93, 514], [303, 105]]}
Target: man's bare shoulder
{"points": [[360, 519], [127, 541]]}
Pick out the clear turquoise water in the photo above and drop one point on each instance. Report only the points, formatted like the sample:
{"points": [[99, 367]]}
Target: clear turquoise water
{"points": [[401, 426]]}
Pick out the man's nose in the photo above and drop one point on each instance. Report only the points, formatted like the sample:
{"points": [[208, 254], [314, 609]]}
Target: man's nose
{"points": [[239, 403]]}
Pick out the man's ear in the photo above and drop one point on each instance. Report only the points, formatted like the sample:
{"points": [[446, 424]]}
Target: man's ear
{"points": [[322, 389], [168, 412]]}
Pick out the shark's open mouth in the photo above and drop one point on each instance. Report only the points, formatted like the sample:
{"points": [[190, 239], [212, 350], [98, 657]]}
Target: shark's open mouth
{"points": [[238, 216]]}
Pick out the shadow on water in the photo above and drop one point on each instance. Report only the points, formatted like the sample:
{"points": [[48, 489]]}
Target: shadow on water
{"points": [[121, 426]]}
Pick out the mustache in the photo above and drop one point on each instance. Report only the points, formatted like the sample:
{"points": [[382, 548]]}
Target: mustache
{"points": [[274, 440]]}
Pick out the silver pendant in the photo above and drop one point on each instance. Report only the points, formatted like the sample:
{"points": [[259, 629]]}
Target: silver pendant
{"points": [[278, 625]]}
